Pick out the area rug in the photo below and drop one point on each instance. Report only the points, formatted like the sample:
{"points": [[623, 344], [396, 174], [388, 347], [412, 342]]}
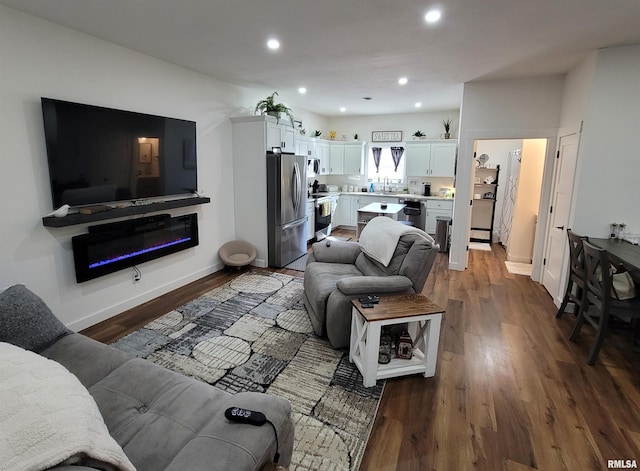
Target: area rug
{"points": [[516, 268], [254, 334]]}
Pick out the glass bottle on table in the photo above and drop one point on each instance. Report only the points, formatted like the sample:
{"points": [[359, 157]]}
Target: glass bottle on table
{"points": [[621, 229], [613, 230]]}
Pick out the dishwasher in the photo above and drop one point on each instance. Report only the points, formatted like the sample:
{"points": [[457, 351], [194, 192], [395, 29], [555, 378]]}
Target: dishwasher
{"points": [[413, 212]]}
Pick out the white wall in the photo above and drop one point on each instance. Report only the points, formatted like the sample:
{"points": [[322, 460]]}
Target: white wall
{"points": [[608, 158], [43, 59], [500, 109]]}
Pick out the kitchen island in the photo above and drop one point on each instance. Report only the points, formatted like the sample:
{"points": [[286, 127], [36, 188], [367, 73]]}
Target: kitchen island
{"points": [[368, 212]]}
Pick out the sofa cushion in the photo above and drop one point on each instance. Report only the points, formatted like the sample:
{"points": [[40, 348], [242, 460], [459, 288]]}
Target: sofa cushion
{"points": [[370, 267], [320, 281], [26, 321], [164, 420], [48, 417], [88, 359]]}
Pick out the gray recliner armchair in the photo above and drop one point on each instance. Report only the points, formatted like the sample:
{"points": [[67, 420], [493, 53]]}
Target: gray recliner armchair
{"points": [[389, 259]]}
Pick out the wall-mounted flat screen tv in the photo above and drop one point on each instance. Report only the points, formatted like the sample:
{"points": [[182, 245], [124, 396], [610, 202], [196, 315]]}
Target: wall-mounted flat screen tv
{"points": [[101, 155]]}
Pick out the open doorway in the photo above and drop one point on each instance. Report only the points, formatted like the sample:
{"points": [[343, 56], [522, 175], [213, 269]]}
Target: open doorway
{"points": [[510, 205]]}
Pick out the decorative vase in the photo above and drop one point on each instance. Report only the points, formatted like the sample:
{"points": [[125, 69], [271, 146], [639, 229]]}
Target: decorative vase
{"points": [[447, 135]]}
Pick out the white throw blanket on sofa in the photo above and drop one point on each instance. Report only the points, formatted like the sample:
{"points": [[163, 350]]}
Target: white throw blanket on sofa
{"points": [[380, 237], [48, 416]]}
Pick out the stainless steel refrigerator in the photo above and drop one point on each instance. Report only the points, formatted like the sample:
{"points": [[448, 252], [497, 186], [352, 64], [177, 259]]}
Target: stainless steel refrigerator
{"points": [[286, 207]]}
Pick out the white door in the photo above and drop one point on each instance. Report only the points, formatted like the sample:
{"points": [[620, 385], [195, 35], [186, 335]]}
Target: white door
{"points": [[556, 246]]}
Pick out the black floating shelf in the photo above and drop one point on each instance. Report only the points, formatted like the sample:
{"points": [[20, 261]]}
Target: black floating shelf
{"points": [[74, 219]]}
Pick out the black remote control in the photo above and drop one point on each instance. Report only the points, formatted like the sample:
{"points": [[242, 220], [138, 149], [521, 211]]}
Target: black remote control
{"points": [[370, 299], [366, 305], [245, 416]]}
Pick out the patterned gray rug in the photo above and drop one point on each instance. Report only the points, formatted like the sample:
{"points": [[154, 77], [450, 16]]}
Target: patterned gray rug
{"points": [[254, 334]]}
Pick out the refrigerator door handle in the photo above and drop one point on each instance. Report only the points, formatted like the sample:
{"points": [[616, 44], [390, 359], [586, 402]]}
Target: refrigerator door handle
{"points": [[297, 186], [294, 224]]}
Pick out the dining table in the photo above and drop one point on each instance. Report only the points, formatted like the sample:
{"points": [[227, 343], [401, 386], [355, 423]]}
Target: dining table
{"points": [[621, 251]]}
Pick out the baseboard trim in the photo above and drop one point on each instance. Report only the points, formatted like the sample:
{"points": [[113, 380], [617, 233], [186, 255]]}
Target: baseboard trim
{"points": [[119, 308]]}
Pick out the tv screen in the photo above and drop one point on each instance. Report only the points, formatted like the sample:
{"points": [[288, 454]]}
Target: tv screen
{"points": [[101, 155]]}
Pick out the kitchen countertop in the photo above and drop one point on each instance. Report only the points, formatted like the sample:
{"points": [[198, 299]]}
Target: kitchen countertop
{"points": [[390, 208], [397, 195], [316, 196]]}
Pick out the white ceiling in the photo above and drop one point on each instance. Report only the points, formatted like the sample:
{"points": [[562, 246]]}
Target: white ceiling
{"points": [[343, 50]]}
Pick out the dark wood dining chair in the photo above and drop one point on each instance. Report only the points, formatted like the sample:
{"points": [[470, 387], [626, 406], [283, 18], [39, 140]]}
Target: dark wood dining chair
{"points": [[576, 275], [597, 303]]}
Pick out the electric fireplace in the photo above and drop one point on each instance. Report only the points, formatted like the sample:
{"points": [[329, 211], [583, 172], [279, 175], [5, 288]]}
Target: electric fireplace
{"points": [[108, 248]]}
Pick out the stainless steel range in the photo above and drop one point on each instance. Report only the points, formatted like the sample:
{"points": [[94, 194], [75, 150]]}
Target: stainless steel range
{"points": [[325, 208]]}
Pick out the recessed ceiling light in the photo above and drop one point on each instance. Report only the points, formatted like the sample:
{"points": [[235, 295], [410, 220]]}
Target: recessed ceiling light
{"points": [[403, 80], [273, 44], [302, 90], [432, 16], [342, 109], [418, 104]]}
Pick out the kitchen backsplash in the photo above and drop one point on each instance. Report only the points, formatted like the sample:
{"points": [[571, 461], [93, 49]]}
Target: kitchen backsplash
{"points": [[414, 184]]}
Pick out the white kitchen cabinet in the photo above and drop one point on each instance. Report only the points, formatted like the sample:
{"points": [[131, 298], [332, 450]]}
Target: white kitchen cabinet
{"points": [[311, 220], [281, 135], [342, 216], [305, 146], [434, 159], [336, 159], [435, 208], [323, 151], [354, 158]]}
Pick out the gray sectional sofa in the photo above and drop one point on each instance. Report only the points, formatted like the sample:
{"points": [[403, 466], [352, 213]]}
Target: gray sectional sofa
{"points": [[161, 419]]}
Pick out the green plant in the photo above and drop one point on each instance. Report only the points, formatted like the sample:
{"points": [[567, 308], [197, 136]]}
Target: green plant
{"points": [[418, 133], [316, 133], [275, 109], [355, 137], [447, 124]]}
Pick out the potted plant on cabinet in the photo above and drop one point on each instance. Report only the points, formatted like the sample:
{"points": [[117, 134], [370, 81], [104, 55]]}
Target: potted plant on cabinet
{"points": [[316, 133], [447, 126], [419, 134], [268, 106]]}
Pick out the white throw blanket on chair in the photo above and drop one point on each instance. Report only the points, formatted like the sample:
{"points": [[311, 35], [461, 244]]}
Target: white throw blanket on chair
{"points": [[380, 237], [48, 417]]}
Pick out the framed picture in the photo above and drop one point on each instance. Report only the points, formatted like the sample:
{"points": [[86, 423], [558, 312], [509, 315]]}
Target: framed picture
{"points": [[144, 152], [386, 136]]}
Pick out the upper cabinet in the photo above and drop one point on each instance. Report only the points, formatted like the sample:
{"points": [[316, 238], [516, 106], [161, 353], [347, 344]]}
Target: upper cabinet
{"points": [[323, 152], [281, 134], [306, 146], [336, 158], [434, 159], [354, 158]]}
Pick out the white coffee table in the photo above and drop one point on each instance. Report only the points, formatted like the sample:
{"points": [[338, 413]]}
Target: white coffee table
{"points": [[423, 317]]}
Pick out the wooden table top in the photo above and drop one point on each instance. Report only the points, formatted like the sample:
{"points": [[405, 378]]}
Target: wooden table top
{"points": [[393, 307], [623, 251]]}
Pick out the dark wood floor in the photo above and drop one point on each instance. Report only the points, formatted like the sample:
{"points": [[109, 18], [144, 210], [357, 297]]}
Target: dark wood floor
{"points": [[510, 392]]}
